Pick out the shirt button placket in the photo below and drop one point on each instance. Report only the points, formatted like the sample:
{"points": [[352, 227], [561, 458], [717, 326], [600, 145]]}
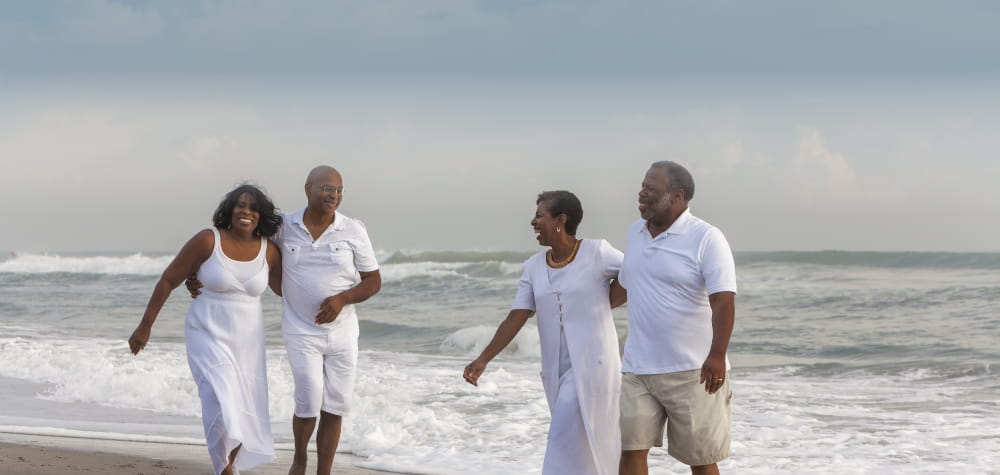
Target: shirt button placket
{"points": [[559, 302]]}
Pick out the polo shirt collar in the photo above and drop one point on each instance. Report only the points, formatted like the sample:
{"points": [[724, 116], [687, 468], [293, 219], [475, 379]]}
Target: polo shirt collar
{"points": [[679, 226], [338, 220]]}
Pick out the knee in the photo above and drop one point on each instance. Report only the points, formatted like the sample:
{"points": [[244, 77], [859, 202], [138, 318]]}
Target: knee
{"points": [[329, 417]]}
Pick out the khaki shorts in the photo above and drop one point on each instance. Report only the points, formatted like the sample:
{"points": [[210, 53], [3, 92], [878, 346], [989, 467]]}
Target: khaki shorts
{"points": [[697, 423]]}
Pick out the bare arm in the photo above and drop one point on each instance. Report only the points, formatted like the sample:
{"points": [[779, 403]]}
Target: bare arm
{"points": [[187, 261], [274, 266], [617, 294], [371, 283], [713, 372], [504, 335]]}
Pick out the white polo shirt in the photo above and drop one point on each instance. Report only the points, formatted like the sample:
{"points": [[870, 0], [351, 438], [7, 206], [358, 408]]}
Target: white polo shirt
{"points": [[312, 270], [669, 279]]}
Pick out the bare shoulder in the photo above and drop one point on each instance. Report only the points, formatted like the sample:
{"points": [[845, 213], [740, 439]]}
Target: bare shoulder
{"points": [[204, 238], [201, 244]]}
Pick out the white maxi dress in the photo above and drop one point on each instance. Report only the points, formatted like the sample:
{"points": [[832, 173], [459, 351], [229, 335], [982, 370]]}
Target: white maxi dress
{"points": [[581, 367], [224, 335]]}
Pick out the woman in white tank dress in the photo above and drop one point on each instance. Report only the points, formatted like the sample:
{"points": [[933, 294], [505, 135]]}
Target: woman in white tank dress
{"points": [[224, 331], [568, 287]]}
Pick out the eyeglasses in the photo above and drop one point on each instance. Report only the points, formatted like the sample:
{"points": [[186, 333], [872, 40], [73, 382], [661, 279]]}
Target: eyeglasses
{"points": [[331, 189]]}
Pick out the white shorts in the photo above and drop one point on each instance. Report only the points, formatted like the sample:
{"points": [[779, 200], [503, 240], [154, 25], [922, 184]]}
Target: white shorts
{"points": [[323, 368]]}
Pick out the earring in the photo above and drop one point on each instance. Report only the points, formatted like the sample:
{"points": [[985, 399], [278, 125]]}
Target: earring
{"points": [[558, 230]]}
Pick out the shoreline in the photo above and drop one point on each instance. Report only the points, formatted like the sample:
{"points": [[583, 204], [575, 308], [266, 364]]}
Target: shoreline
{"points": [[30, 454]]}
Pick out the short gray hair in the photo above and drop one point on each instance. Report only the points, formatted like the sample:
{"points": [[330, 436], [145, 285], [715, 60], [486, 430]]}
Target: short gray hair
{"points": [[678, 178]]}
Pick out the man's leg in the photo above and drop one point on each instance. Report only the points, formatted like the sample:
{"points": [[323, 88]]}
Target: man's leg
{"points": [[712, 469], [302, 430], [327, 439], [339, 364], [306, 363], [642, 421], [633, 462], [699, 430]]}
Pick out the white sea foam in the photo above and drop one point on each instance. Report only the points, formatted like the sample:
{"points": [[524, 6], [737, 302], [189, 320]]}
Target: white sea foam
{"points": [[414, 413], [137, 264], [397, 272], [104, 372]]}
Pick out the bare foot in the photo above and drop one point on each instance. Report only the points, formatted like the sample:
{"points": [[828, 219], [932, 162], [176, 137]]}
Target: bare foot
{"points": [[232, 457], [297, 469]]}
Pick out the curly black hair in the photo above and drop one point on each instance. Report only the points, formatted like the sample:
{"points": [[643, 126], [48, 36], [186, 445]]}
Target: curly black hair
{"points": [[563, 202], [269, 221]]}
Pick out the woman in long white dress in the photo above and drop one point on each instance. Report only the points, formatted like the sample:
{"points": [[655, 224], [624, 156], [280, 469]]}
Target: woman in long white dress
{"points": [[567, 286], [224, 330]]}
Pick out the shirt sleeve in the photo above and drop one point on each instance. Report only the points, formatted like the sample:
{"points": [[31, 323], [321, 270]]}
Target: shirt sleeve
{"points": [[609, 259], [717, 265], [631, 247], [364, 252], [525, 298]]}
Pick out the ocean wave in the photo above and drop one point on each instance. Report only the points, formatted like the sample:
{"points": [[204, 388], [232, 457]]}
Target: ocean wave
{"points": [[481, 270], [134, 264], [962, 260], [471, 341], [400, 257], [139, 264], [403, 265]]}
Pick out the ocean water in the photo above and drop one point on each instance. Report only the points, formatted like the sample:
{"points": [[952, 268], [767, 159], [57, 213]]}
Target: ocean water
{"points": [[843, 362]]}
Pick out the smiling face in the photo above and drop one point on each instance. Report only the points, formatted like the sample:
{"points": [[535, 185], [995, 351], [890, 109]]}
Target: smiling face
{"points": [[246, 216], [544, 224], [324, 191]]}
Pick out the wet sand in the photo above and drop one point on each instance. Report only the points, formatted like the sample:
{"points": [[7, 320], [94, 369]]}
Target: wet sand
{"points": [[22, 454]]}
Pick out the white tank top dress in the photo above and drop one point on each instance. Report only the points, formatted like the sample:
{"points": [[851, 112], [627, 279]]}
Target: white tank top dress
{"points": [[224, 334]]}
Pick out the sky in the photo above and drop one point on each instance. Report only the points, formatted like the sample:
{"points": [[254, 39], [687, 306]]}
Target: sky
{"points": [[807, 125]]}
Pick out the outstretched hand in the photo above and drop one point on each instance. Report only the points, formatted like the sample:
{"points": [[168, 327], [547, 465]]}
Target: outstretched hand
{"points": [[473, 371]]}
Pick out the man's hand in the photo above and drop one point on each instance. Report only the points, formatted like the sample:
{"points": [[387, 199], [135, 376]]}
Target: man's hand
{"points": [[713, 372], [330, 309], [473, 371], [193, 285], [139, 338]]}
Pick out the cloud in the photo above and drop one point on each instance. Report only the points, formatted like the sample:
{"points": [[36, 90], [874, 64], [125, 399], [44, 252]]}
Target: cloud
{"points": [[64, 145], [825, 180], [202, 152], [817, 168]]}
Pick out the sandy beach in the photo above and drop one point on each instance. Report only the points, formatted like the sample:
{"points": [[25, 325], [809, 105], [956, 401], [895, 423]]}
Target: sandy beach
{"points": [[36, 455]]}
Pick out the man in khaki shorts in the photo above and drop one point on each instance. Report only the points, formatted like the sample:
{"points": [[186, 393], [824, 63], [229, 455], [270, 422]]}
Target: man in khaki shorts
{"points": [[680, 279]]}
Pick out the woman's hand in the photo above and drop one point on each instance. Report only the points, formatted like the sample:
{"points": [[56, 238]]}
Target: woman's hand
{"points": [[139, 338], [473, 371]]}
